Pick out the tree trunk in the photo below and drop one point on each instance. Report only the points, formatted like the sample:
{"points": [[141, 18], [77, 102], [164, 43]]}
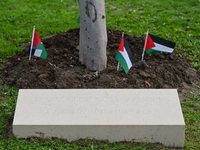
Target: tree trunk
{"points": [[93, 34]]}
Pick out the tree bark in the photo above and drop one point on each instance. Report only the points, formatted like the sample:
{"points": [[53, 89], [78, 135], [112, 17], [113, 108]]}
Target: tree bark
{"points": [[93, 34]]}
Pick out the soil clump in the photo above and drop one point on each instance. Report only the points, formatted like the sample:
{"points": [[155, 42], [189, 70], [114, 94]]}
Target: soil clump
{"points": [[62, 69]]}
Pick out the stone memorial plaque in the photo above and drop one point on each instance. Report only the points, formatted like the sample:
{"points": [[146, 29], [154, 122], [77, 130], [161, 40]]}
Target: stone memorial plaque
{"points": [[139, 115]]}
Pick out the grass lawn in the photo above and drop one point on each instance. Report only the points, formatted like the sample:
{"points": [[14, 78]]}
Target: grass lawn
{"points": [[177, 21]]}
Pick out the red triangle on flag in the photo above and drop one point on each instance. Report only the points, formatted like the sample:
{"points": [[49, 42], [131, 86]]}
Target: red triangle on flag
{"points": [[36, 39], [149, 43], [121, 45]]}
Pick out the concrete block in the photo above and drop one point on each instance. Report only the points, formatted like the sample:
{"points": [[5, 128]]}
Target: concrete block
{"points": [[139, 115]]}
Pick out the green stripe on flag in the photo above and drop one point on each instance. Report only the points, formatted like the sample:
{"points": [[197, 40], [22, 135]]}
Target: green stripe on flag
{"points": [[39, 46], [148, 51], [122, 61], [152, 50], [44, 52]]}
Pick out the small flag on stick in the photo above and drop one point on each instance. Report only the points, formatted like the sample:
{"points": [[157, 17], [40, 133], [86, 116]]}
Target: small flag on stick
{"points": [[37, 48], [124, 55], [156, 44]]}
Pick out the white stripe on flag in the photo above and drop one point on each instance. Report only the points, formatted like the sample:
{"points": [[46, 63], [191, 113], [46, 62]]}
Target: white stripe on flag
{"points": [[126, 57], [163, 48], [38, 52]]}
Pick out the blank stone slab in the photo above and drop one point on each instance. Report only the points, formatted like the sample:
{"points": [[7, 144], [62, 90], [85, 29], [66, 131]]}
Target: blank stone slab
{"points": [[139, 115]]}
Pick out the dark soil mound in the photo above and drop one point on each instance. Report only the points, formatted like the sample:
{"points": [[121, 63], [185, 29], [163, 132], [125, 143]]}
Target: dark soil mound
{"points": [[62, 68]]}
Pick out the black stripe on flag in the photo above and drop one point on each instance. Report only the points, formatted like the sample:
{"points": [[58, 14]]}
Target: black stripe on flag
{"points": [[162, 41], [129, 52], [32, 52]]}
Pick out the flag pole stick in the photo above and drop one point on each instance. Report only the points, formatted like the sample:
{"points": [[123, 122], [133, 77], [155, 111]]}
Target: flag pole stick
{"points": [[144, 45], [31, 43], [118, 62], [118, 66]]}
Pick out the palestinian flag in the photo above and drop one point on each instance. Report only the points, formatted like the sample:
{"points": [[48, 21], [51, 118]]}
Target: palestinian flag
{"points": [[37, 48], [124, 55], [156, 44]]}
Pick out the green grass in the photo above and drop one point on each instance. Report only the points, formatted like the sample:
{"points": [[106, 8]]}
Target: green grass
{"points": [[18, 18], [173, 20], [8, 97], [191, 113], [177, 21]]}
